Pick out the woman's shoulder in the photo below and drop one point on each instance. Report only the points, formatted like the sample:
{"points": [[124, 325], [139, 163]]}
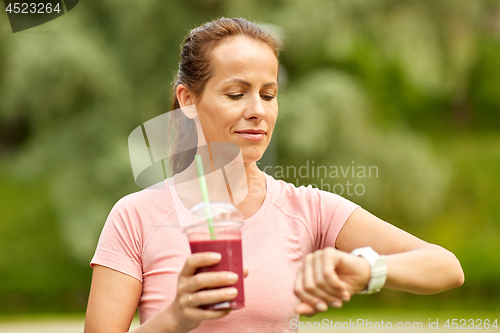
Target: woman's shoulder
{"points": [[303, 197], [292, 200], [286, 190], [317, 209], [148, 199]]}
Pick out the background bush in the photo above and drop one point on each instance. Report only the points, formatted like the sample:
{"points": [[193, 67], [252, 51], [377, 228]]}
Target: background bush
{"points": [[408, 86]]}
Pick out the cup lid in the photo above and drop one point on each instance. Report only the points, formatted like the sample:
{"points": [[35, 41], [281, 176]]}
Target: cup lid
{"points": [[219, 211]]}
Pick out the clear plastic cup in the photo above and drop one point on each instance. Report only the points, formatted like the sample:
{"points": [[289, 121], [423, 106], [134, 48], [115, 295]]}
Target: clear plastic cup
{"points": [[225, 239]]}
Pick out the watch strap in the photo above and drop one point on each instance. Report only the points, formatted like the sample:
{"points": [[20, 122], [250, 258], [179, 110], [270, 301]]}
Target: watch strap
{"points": [[378, 271]]}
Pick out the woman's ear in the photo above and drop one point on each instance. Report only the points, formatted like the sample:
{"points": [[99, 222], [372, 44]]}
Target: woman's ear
{"points": [[186, 101]]}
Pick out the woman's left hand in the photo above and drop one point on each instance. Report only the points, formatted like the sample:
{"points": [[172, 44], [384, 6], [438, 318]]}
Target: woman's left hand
{"points": [[329, 277]]}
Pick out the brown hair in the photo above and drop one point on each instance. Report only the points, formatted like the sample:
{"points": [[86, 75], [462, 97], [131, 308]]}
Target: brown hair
{"points": [[194, 72]]}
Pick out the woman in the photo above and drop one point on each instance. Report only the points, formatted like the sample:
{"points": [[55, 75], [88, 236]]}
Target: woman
{"points": [[296, 240]]}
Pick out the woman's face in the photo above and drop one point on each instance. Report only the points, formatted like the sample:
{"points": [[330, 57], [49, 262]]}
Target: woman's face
{"points": [[239, 102]]}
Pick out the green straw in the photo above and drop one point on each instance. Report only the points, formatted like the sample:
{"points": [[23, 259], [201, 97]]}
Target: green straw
{"points": [[204, 194]]}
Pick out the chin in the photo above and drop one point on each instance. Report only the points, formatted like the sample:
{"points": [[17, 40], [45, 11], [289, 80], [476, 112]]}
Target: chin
{"points": [[250, 160], [251, 157]]}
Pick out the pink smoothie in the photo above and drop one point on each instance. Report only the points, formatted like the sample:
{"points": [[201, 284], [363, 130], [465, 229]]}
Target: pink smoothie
{"points": [[230, 249]]}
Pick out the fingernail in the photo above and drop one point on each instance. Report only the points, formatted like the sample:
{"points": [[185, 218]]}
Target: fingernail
{"points": [[232, 277], [346, 297], [215, 256], [321, 307], [232, 292], [336, 304]]}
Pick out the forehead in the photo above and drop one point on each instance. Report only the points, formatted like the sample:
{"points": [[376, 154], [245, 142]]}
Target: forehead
{"points": [[244, 56]]}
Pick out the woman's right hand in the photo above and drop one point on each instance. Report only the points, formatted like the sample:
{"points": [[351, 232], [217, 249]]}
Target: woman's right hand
{"points": [[185, 309]]}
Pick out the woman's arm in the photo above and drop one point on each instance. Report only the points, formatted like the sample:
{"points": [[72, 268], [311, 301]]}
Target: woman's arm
{"points": [[114, 297], [412, 265], [331, 276], [112, 302]]}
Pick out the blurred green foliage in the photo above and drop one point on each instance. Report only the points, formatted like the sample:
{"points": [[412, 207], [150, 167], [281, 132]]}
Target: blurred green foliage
{"points": [[408, 86]]}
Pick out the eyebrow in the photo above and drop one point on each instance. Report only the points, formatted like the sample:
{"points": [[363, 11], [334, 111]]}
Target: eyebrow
{"points": [[249, 84]]}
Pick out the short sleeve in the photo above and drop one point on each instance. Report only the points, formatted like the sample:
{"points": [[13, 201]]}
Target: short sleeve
{"points": [[120, 243], [334, 211]]}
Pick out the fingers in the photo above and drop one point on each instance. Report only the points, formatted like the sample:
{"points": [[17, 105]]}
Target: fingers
{"points": [[189, 317], [207, 280], [245, 272], [199, 260], [322, 281], [186, 306], [200, 314], [312, 288], [325, 269], [302, 291], [305, 309], [317, 283], [207, 297]]}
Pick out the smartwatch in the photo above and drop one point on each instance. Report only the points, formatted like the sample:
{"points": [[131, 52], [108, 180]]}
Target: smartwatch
{"points": [[378, 272]]}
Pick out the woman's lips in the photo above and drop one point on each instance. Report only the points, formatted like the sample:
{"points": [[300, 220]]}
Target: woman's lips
{"points": [[252, 135]]}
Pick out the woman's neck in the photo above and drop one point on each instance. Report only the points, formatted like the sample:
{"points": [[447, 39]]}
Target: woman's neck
{"points": [[248, 202], [257, 190]]}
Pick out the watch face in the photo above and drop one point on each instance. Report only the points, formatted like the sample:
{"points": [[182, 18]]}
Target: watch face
{"points": [[378, 266], [367, 253]]}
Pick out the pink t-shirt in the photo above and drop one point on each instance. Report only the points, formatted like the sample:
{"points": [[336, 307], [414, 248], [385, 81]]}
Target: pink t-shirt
{"points": [[142, 237]]}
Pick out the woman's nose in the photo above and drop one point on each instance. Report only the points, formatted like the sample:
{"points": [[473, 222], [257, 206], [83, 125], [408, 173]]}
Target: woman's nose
{"points": [[255, 109]]}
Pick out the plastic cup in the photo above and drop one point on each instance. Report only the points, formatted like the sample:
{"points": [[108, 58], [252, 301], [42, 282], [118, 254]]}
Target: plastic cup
{"points": [[227, 223]]}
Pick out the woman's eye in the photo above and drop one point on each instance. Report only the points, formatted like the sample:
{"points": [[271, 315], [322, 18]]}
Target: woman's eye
{"points": [[235, 96], [267, 97]]}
